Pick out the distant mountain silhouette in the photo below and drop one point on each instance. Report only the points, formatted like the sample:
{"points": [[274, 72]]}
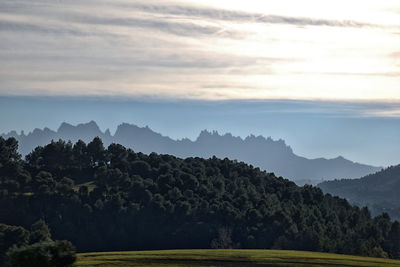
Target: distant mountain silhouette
{"points": [[270, 155], [379, 191]]}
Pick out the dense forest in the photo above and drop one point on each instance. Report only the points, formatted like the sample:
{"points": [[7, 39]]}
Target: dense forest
{"points": [[378, 191], [107, 199]]}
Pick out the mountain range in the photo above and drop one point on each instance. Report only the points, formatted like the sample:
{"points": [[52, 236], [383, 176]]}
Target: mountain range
{"points": [[268, 154], [378, 191]]}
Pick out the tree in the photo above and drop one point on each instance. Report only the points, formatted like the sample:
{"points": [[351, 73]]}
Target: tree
{"points": [[40, 232], [392, 244], [13, 178], [97, 153], [224, 239], [43, 254], [12, 236]]}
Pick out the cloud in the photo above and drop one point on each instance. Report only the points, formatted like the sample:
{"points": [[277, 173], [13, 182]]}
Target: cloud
{"points": [[395, 54], [130, 48], [186, 10], [367, 74], [236, 16], [23, 27], [177, 28], [84, 17], [185, 20]]}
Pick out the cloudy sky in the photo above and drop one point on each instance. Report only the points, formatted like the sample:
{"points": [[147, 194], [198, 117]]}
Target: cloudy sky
{"points": [[310, 49], [322, 74]]}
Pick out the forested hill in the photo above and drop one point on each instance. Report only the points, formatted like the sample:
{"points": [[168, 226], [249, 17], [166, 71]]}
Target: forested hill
{"points": [[116, 199], [379, 191], [270, 155]]}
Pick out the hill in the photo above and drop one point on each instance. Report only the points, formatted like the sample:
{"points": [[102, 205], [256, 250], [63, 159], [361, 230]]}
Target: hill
{"points": [[378, 191], [273, 156], [231, 258], [113, 199]]}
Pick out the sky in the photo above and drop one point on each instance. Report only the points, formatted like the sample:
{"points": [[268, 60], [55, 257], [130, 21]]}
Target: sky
{"points": [[312, 128], [192, 49], [324, 75]]}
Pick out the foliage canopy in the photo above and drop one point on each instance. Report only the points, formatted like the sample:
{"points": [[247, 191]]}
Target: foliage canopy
{"points": [[109, 199]]}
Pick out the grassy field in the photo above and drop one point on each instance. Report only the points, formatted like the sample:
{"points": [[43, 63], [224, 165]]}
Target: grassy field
{"points": [[231, 258]]}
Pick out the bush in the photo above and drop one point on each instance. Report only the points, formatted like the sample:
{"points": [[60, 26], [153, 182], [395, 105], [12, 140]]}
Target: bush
{"points": [[44, 254], [11, 236], [378, 252]]}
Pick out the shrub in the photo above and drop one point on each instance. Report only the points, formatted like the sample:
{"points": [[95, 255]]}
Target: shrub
{"points": [[44, 254]]}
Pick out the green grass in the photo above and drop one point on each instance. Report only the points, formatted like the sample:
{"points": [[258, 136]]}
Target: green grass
{"points": [[231, 258]]}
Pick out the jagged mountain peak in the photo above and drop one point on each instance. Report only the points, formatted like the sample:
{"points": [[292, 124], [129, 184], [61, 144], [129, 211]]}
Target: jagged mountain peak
{"points": [[206, 134], [65, 126], [127, 127], [271, 155], [92, 125], [340, 158], [83, 131]]}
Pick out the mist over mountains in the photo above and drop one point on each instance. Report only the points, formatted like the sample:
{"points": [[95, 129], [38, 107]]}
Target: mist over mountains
{"points": [[268, 154]]}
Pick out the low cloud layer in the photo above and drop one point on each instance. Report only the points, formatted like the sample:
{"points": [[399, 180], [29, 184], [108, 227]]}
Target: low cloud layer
{"points": [[198, 50]]}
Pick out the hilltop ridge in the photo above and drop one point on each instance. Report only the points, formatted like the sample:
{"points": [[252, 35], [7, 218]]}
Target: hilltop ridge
{"points": [[379, 191]]}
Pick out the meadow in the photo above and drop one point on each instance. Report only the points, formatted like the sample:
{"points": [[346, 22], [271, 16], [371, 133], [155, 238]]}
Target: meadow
{"points": [[228, 258]]}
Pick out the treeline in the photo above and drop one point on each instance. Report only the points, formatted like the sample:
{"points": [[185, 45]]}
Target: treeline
{"points": [[115, 199]]}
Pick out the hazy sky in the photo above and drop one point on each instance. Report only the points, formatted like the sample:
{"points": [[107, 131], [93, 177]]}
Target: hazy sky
{"points": [[197, 49], [312, 128]]}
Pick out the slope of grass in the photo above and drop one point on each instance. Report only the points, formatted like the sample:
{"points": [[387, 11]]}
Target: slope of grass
{"points": [[231, 258]]}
